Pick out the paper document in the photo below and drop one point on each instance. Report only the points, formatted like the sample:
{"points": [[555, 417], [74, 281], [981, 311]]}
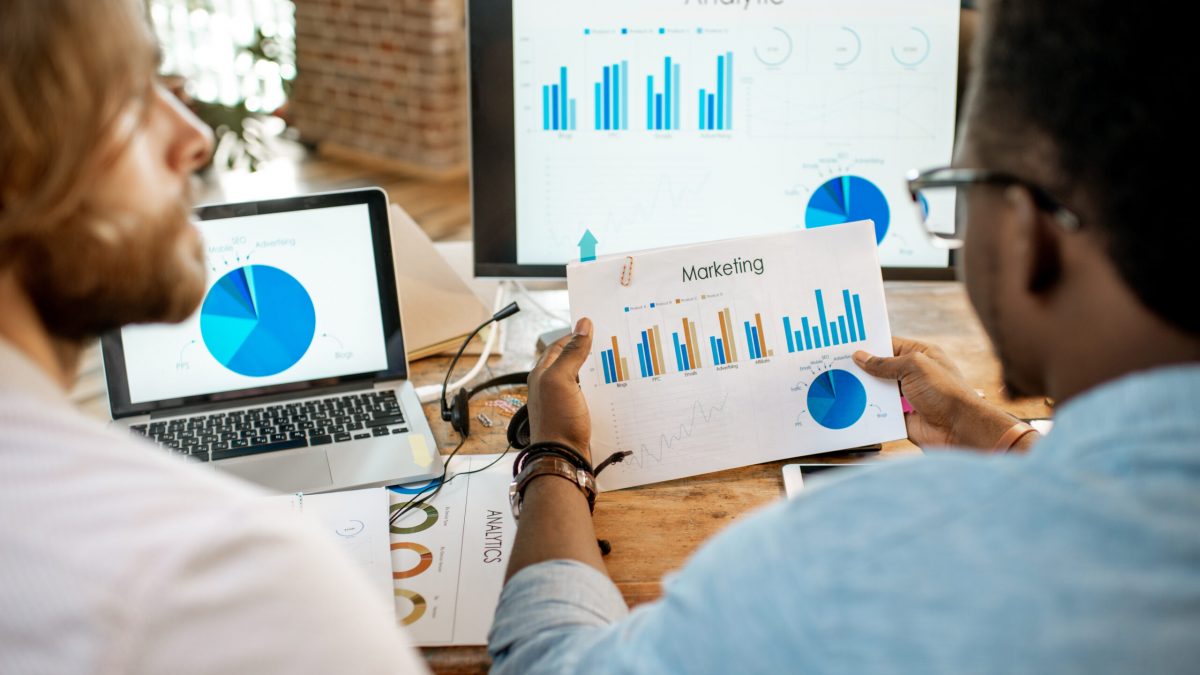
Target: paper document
{"points": [[449, 556], [357, 520], [718, 355]]}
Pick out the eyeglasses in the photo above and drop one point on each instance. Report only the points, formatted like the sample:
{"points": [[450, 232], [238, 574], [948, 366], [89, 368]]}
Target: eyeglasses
{"points": [[938, 195]]}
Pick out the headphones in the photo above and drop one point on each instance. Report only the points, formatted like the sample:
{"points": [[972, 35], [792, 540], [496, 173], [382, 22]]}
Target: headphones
{"points": [[458, 413]]}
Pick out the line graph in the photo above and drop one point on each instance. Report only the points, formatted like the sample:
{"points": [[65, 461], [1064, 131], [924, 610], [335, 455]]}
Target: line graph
{"points": [[656, 435]]}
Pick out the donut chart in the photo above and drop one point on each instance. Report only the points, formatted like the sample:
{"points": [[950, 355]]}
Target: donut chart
{"points": [[847, 199], [410, 606], [431, 517], [424, 559], [257, 321], [837, 399], [415, 489]]}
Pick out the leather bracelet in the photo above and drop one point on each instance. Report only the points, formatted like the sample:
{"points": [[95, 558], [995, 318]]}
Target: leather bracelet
{"points": [[566, 452], [1009, 439], [550, 465]]}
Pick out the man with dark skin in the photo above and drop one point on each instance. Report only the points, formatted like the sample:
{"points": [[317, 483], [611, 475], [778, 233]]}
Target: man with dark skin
{"points": [[1078, 556]]}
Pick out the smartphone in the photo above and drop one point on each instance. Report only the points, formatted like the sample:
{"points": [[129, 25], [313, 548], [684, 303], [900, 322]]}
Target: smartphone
{"points": [[794, 475]]}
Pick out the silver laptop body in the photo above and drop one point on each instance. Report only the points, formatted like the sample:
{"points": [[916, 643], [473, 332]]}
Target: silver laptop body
{"points": [[292, 374]]}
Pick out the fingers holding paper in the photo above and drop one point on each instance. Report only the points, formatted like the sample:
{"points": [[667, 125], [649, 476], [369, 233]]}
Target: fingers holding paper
{"points": [[557, 409], [945, 408]]}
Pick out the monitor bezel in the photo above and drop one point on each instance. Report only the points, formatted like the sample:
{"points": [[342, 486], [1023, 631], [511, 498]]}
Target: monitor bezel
{"points": [[376, 200], [493, 154]]}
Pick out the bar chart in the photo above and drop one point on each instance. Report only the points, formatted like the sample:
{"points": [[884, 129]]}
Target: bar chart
{"points": [[687, 355], [756, 339], [825, 331], [724, 348], [651, 357], [716, 105], [662, 107], [558, 109], [615, 366], [612, 98]]}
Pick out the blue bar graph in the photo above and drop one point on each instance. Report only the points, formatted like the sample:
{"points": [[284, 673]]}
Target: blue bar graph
{"points": [[718, 350], [821, 316], [675, 99], [607, 99], [667, 91], [680, 361], [643, 360], [752, 339], [716, 105], [827, 331], [720, 92], [612, 98], [558, 108], [662, 107], [554, 107], [862, 332]]}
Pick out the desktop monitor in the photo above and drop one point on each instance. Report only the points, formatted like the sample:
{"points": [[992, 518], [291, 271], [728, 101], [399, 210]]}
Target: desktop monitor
{"points": [[601, 128]]}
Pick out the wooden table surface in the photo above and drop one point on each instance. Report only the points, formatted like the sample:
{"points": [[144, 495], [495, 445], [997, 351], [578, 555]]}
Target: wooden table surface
{"points": [[655, 528]]}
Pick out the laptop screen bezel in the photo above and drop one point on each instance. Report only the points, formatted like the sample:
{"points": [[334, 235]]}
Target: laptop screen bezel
{"points": [[113, 348]]}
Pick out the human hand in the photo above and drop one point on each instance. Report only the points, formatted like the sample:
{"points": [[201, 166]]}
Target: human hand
{"points": [[557, 410], [946, 410]]}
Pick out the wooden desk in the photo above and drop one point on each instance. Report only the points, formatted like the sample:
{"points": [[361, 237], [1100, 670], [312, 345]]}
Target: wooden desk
{"points": [[655, 528]]}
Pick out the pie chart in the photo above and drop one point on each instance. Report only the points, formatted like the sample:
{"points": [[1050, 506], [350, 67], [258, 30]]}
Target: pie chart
{"points": [[846, 199], [257, 320], [836, 399]]}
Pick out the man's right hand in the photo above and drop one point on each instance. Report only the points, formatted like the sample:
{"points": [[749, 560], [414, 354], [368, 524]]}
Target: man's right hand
{"points": [[946, 410]]}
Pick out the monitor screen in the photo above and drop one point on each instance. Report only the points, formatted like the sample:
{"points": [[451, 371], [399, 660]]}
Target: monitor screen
{"points": [[602, 128]]}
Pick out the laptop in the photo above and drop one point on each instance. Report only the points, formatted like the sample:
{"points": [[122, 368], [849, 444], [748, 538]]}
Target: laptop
{"points": [[292, 372]]}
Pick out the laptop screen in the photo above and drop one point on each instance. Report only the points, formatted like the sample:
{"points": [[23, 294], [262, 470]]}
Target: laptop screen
{"points": [[292, 296]]}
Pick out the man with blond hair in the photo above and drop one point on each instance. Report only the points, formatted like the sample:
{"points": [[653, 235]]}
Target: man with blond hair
{"points": [[117, 557]]}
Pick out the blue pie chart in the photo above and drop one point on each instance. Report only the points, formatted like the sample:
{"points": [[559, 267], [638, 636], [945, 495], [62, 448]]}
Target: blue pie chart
{"points": [[837, 399], [257, 320], [847, 199]]}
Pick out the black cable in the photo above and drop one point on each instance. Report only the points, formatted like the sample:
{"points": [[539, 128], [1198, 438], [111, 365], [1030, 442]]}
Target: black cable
{"points": [[418, 500]]}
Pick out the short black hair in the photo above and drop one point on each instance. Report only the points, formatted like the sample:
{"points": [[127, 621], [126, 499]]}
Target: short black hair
{"points": [[1105, 83]]}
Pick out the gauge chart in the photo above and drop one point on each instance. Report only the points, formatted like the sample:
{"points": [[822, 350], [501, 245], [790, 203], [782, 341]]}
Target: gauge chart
{"points": [[837, 399], [257, 320], [847, 199]]}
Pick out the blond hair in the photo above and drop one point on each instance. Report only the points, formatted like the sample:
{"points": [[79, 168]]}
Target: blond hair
{"points": [[68, 68]]}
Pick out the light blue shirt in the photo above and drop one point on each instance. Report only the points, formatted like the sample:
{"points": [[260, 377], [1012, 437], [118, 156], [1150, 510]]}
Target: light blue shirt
{"points": [[1081, 557]]}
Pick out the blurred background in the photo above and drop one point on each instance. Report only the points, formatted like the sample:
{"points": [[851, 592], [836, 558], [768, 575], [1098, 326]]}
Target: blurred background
{"points": [[313, 95]]}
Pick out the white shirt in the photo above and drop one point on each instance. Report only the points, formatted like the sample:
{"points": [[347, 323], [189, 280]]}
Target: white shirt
{"points": [[116, 557]]}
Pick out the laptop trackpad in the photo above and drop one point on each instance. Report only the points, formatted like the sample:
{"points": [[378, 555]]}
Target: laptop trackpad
{"points": [[291, 472]]}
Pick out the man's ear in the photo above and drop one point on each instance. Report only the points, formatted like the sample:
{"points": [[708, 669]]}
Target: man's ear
{"points": [[1039, 249]]}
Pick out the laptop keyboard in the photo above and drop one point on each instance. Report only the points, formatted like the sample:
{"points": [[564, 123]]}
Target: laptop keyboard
{"points": [[271, 428]]}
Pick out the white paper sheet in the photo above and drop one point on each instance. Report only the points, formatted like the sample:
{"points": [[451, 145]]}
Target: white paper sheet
{"points": [[357, 521], [450, 556], [683, 412]]}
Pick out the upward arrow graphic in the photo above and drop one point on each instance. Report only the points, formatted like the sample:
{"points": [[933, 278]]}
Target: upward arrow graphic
{"points": [[587, 246]]}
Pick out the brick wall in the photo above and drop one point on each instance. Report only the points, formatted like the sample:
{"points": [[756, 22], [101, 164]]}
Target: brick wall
{"points": [[383, 81]]}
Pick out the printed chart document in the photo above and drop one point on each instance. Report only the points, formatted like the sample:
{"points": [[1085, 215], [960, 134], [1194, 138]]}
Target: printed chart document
{"points": [[357, 520], [725, 354], [449, 556]]}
